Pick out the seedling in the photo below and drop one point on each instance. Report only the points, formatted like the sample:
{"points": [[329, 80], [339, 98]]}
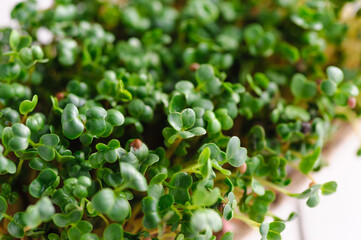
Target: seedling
{"points": [[166, 119]]}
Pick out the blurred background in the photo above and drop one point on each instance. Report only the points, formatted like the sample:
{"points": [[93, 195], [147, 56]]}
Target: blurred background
{"points": [[338, 216]]}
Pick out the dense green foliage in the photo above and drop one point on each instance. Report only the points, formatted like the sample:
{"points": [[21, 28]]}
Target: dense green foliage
{"points": [[165, 119]]}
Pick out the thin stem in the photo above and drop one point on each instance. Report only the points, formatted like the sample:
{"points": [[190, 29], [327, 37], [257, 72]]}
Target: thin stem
{"points": [[309, 176], [121, 187], [164, 235], [7, 216], [167, 185], [297, 154], [6, 152], [11, 58], [181, 206], [199, 87], [27, 228], [100, 183], [271, 150], [31, 70], [23, 119], [18, 170], [135, 212], [274, 186], [33, 144], [170, 235], [82, 202], [138, 226], [99, 214], [174, 146], [104, 218], [246, 220], [192, 168], [222, 177], [270, 214], [294, 166], [160, 231]]}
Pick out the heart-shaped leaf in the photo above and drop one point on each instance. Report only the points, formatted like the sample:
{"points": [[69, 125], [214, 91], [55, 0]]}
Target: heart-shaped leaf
{"points": [[42, 211], [303, 88], [113, 231], [206, 219], [235, 154], [44, 184], [308, 162], [149, 208], [27, 106], [132, 178], [95, 123], [108, 202], [72, 125], [48, 142], [180, 183]]}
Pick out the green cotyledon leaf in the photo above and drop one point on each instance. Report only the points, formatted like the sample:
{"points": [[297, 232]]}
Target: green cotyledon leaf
{"points": [[71, 122]]}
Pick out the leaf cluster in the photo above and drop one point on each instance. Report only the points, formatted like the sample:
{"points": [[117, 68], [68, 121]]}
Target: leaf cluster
{"points": [[166, 119]]}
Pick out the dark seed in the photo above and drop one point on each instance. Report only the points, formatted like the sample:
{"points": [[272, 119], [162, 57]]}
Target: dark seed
{"points": [[301, 66], [351, 102], [194, 66], [136, 144], [221, 207], [243, 168], [306, 127], [60, 95]]}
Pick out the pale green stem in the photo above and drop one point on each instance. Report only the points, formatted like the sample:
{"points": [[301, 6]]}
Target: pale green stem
{"points": [[174, 146], [192, 169], [7, 216], [246, 220], [309, 176], [274, 187], [18, 170], [121, 187], [99, 214], [104, 218]]}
